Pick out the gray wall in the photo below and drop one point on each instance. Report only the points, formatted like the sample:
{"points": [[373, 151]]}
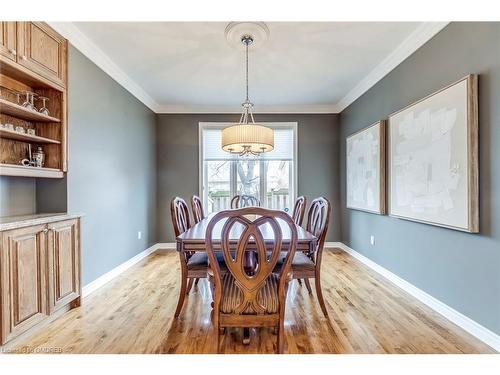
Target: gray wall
{"points": [[177, 160], [112, 172], [17, 196], [460, 269], [51, 195]]}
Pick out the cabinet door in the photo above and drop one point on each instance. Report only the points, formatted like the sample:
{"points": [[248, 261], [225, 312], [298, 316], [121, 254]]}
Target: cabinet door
{"points": [[64, 263], [42, 50], [8, 40], [24, 280]]}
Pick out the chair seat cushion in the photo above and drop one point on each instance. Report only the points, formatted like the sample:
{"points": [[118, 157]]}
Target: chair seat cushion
{"points": [[232, 296], [199, 261], [300, 262]]}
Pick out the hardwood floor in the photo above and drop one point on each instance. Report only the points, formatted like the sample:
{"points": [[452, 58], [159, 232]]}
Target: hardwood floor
{"points": [[134, 314]]}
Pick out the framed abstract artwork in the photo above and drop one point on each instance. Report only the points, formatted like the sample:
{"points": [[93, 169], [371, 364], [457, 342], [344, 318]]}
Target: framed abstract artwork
{"points": [[433, 159], [365, 169]]}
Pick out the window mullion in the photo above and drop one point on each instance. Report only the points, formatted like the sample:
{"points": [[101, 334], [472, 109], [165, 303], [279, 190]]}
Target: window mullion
{"points": [[263, 182], [232, 175], [204, 185]]}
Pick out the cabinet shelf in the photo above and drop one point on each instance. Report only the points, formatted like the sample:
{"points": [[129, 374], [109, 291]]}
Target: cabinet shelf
{"points": [[21, 170], [19, 111], [9, 134]]}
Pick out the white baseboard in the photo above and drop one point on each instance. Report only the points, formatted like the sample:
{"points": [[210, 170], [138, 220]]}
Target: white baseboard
{"points": [[108, 276], [464, 322], [165, 246]]}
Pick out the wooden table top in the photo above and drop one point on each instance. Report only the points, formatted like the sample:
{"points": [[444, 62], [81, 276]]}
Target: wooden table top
{"points": [[196, 234]]}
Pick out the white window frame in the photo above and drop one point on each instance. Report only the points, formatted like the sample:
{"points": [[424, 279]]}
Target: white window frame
{"points": [[233, 182]]}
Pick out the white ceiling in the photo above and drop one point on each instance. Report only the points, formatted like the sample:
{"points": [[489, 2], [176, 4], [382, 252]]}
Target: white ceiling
{"points": [[189, 66]]}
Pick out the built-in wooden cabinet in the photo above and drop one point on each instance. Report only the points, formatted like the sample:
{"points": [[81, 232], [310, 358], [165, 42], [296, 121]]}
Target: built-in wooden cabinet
{"points": [[39, 274], [33, 58]]}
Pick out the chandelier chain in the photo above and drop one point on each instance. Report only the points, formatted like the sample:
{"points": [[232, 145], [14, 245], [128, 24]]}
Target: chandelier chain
{"points": [[246, 44]]}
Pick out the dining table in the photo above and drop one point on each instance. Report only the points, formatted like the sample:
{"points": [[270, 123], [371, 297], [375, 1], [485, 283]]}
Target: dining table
{"points": [[193, 240]]}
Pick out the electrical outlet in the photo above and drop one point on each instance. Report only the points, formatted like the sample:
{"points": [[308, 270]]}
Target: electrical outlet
{"points": [[372, 240], [139, 235]]}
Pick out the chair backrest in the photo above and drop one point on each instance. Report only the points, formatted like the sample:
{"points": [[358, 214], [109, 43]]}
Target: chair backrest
{"points": [[240, 201], [197, 207], [299, 208], [235, 234], [318, 219], [180, 215]]}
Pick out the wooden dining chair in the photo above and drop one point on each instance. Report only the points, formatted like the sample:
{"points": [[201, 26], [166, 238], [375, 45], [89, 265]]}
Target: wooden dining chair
{"points": [[250, 298], [194, 265], [308, 265], [197, 207], [299, 209], [240, 201]]}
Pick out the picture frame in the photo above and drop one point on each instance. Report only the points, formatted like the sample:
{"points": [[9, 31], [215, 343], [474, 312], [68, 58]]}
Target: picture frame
{"points": [[432, 161], [366, 169]]}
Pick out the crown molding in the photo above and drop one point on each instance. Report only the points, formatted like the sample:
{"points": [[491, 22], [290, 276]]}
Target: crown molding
{"points": [[413, 42], [86, 46], [309, 109]]}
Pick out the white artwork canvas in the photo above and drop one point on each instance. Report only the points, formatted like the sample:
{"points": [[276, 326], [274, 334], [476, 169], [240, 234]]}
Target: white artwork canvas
{"points": [[432, 159], [365, 167]]}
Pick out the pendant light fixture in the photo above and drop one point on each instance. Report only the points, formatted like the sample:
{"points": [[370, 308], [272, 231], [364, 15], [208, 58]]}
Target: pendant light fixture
{"points": [[247, 138]]}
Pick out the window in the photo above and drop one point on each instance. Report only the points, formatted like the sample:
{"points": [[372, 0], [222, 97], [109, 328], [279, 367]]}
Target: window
{"points": [[271, 177]]}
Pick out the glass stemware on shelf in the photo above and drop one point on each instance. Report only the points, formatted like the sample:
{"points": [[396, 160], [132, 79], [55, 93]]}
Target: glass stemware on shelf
{"points": [[8, 94], [26, 99], [29, 102], [18, 97], [43, 109]]}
